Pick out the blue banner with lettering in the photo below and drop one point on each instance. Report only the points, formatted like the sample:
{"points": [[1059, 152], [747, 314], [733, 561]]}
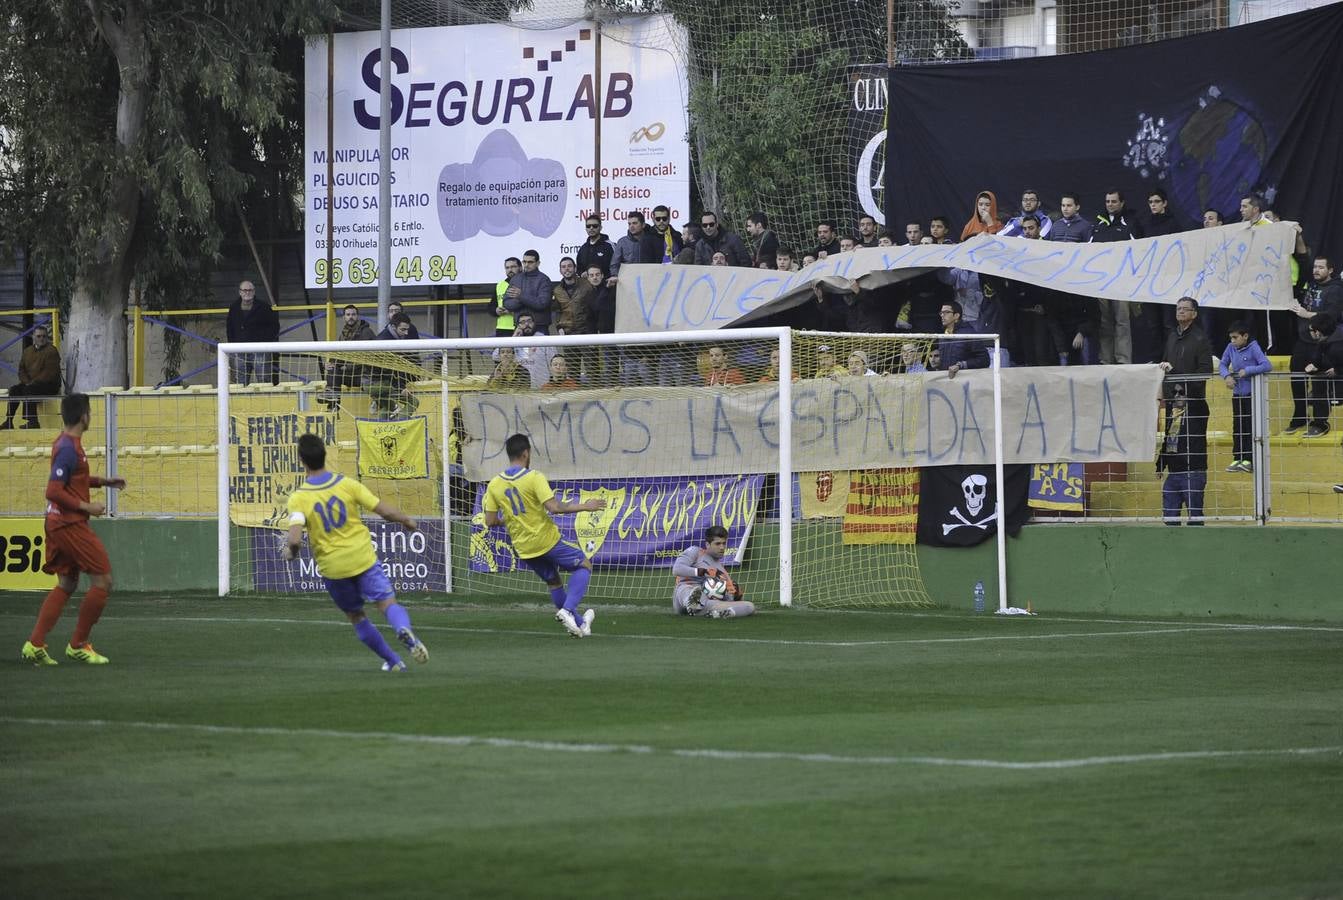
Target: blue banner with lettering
{"points": [[647, 522], [1057, 486]]}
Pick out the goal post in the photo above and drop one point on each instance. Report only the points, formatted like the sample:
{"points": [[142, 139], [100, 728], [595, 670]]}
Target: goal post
{"points": [[464, 367], [675, 432]]}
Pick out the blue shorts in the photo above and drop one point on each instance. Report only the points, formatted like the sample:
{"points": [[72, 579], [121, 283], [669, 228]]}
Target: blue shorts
{"points": [[561, 556], [350, 593]]}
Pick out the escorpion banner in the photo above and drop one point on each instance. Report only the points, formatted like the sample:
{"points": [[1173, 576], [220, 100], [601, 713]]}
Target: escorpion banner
{"points": [[492, 145], [647, 522]]}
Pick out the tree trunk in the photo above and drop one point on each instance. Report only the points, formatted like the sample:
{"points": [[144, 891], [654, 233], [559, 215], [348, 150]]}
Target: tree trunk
{"points": [[96, 340], [709, 181]]}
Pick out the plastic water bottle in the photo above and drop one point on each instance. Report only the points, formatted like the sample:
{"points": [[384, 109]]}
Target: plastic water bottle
{"points": [[979, 596]]}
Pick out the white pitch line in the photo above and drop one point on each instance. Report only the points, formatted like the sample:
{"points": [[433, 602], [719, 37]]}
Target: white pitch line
{"points": [[638, 610], [781, 642], [463, 740], [1231, 626]]}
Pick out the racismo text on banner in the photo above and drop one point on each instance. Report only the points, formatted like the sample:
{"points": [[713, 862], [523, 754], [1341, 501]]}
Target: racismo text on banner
{"points": [[1234, 266], [647, 522]]}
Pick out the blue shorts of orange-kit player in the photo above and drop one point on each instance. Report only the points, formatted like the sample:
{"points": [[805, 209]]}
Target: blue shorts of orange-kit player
{"points": [[561, 556], [74, 548], [371, 585]]}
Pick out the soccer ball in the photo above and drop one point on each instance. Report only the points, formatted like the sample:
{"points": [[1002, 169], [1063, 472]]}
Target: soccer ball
{"points": [[714, 588]]}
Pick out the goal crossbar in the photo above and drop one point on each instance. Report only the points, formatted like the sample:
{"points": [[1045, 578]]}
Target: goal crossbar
{"points": [[781, 336]]}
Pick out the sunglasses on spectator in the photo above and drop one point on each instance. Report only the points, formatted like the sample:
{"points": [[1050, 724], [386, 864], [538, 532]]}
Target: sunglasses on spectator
{"points": [[593, 225], [661, 219], [708, 224]]}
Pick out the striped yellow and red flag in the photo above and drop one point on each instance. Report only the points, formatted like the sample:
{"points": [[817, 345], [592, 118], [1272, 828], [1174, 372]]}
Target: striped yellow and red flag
{"points": [[883, 507]]}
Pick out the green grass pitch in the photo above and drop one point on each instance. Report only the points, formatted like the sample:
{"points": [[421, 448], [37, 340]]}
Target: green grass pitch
{"points": [[251, 748]]}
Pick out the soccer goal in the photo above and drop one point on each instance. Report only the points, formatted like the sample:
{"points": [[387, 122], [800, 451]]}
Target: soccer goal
{"points": [[675, 431]]}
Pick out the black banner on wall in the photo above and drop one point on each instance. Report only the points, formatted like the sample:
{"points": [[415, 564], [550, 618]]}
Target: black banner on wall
{"points": [[958, 505], [867, 143], [1207, 118]]}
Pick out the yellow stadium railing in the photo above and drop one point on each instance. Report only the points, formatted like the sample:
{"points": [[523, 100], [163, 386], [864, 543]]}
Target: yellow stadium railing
{"points": [[50, 313], [140, 327]]}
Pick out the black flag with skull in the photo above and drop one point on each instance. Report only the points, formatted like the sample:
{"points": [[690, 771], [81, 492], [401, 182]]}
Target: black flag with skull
{"points": [[958, 506]]}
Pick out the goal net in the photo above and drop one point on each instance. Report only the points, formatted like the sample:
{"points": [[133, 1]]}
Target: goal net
{"points": [[675, 432]]}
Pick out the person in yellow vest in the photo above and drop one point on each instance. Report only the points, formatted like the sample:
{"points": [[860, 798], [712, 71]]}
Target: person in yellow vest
{"points": [[503, 318]]}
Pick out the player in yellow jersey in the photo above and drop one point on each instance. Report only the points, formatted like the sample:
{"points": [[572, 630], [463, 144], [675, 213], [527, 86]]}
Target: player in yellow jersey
{"points": [[329, 505], [522, 500]]}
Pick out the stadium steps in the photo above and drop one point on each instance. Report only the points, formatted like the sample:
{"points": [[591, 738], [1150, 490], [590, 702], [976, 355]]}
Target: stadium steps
{"points": [[1301, 486]]}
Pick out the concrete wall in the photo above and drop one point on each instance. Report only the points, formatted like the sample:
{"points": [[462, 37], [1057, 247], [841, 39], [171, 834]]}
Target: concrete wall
{"points": [[1153, 570], [1128, 570]]}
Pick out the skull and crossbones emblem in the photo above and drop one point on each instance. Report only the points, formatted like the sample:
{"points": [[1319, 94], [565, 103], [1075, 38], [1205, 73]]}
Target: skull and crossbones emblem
{"points": [[976, 490]]}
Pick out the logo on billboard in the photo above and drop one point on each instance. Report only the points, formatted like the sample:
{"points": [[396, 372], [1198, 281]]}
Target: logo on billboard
{"points": [[1147, 150], [871, 177], [650, 133]]}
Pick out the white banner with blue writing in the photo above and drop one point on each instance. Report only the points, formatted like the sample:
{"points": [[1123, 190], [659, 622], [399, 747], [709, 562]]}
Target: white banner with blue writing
{"points": [[1050, 414], [1235, 266]]}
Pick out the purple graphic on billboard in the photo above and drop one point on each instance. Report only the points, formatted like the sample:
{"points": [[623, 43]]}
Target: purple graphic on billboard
{"points": [[413, 560], [500, 191], [647, 522]]}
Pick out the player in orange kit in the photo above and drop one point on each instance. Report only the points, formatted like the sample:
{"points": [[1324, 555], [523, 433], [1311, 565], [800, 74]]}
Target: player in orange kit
{"points": [[72, 547]]}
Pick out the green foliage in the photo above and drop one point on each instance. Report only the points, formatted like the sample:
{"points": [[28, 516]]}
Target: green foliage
{"points": [[760, 119], [768, 96], [220, 93], [925, 33]]}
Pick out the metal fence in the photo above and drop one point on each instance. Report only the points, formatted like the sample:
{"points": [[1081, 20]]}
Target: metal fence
{"points": [[163, 442]]}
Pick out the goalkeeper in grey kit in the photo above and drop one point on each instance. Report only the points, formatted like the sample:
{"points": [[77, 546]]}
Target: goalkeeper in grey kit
{"points": [[703, 587]]}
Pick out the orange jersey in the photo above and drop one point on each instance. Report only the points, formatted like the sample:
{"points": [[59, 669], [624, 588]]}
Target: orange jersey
{"points": [[724, 376], [69, 482]]}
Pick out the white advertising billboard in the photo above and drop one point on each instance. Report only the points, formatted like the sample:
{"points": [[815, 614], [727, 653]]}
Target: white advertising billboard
{"points": [[492, 146]]}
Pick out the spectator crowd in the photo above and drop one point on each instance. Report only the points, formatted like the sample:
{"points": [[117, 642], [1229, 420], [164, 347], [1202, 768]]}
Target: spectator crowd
{"points": [[1037, 326]]}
